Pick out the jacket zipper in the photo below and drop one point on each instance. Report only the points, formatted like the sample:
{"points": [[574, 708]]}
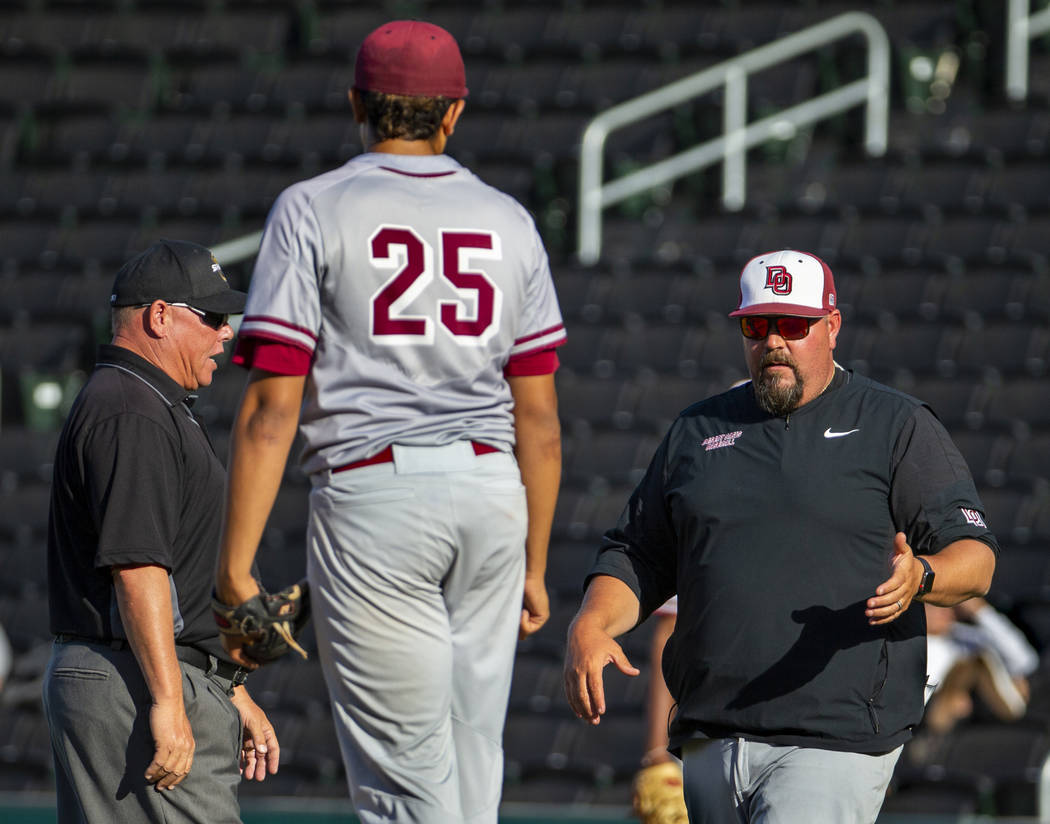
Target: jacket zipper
{"points": [[884, 662]]}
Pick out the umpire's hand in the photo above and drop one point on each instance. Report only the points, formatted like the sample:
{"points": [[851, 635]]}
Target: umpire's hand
{"points": [[173, 742]]}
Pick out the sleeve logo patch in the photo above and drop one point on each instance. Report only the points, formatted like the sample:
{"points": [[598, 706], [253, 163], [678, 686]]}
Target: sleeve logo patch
{"points": [[718, 441], [972, 516]]}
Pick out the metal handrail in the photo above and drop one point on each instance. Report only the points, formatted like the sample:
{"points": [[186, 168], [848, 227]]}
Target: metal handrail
{"points": [[1021, 28], [737, 136], [238, 249]]}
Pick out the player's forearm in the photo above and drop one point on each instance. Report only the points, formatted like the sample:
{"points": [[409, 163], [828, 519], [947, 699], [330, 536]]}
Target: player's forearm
{"points": [[144, 600], [962, 570], [538, 453], [540, 466], [261, 438]]}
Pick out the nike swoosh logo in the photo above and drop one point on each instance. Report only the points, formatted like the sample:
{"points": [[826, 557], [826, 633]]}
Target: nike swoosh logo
{"points": [[829, 434]]}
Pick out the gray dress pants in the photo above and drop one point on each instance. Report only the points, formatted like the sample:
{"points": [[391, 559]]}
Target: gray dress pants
{"points": [[736, 781], [97, 706]]}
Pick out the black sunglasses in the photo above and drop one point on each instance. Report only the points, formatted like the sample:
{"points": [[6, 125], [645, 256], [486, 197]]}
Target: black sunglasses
{"points": [[759, 327], [216, 320]]}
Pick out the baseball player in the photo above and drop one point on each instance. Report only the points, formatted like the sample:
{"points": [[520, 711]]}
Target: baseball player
{"points": [[402, 313]]}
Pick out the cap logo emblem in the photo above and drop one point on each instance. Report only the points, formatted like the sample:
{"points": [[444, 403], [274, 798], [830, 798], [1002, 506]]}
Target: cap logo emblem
{"points": [[217, 269], [778, 280]]}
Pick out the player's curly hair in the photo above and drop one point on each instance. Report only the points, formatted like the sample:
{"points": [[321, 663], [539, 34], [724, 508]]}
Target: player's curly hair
{"points": [[397, 116]]}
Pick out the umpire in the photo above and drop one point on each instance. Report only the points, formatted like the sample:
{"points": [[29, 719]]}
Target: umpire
{"points": [[799, 518], [139, 694]]}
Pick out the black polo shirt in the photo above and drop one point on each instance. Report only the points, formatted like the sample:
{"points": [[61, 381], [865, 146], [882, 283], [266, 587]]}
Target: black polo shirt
{"points": [[136, 481], [774, 532]]}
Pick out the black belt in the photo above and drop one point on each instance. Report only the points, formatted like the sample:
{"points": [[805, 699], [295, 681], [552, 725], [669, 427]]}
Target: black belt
{"points": [[202, 661], [188, 655], [112, 643]]}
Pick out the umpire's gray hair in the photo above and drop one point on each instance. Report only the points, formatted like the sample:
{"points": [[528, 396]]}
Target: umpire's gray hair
{"points": [[121, 317]]}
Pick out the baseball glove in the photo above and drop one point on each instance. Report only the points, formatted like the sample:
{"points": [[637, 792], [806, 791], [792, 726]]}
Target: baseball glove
{"points": [[658, 795], [269, 623]]}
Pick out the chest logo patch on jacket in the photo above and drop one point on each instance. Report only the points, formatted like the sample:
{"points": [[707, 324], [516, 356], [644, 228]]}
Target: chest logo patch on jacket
{"points": [[718, 441]]}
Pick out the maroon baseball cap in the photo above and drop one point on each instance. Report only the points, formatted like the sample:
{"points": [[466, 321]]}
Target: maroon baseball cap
{"points": [[786, 282], [411, 58]]}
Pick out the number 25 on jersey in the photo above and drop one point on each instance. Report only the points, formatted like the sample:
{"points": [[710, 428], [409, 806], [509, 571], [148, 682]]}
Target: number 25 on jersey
{"points": [[470, 320]]}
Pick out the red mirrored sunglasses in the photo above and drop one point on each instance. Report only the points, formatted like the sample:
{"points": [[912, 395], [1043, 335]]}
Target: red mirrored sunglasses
{"points": [[759, 327]]}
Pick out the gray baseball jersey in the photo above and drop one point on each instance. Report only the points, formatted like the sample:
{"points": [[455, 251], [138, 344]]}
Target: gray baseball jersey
{"points": [[410, 285], [407, 291]]}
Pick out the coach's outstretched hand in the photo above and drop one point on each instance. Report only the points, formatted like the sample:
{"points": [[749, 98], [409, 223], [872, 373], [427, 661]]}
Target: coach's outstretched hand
{"points": [[609, 609], [590, 649], [894, 595]]}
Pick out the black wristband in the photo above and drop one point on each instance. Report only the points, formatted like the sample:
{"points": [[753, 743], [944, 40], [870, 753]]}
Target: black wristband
{"points": [[926, 584]]}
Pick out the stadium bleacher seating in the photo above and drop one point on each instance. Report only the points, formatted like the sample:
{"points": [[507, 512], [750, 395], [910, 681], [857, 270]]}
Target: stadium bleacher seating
{"points": [[124, 121]]}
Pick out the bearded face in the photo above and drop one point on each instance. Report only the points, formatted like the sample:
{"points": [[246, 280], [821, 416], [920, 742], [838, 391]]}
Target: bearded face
{"points": [[778, 391]]}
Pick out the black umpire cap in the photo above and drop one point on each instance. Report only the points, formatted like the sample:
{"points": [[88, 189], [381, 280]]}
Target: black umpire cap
{"points": [[176, 271]]}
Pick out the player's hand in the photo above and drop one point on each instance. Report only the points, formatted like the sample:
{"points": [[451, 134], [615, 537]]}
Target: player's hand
{"points": [[590, 649], [260, 752], [894, 595], [174, 744], [233, 644], [233, 593], [535, 607]]}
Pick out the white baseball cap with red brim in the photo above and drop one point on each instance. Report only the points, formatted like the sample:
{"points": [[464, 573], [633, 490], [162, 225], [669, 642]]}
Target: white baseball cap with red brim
{"points": [[787, 282]]}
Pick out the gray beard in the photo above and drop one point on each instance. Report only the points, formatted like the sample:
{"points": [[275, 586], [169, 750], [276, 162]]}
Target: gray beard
{"points": [[775, 398]]}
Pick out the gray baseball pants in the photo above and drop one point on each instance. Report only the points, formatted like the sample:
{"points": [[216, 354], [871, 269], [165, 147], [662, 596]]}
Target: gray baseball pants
{"points": [[97, 706], [736, 781], [416, 570]]}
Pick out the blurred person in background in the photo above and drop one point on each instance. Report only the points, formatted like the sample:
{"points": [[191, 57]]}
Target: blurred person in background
{"points": [[973, 650], [6, 658], [658, 796]]}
